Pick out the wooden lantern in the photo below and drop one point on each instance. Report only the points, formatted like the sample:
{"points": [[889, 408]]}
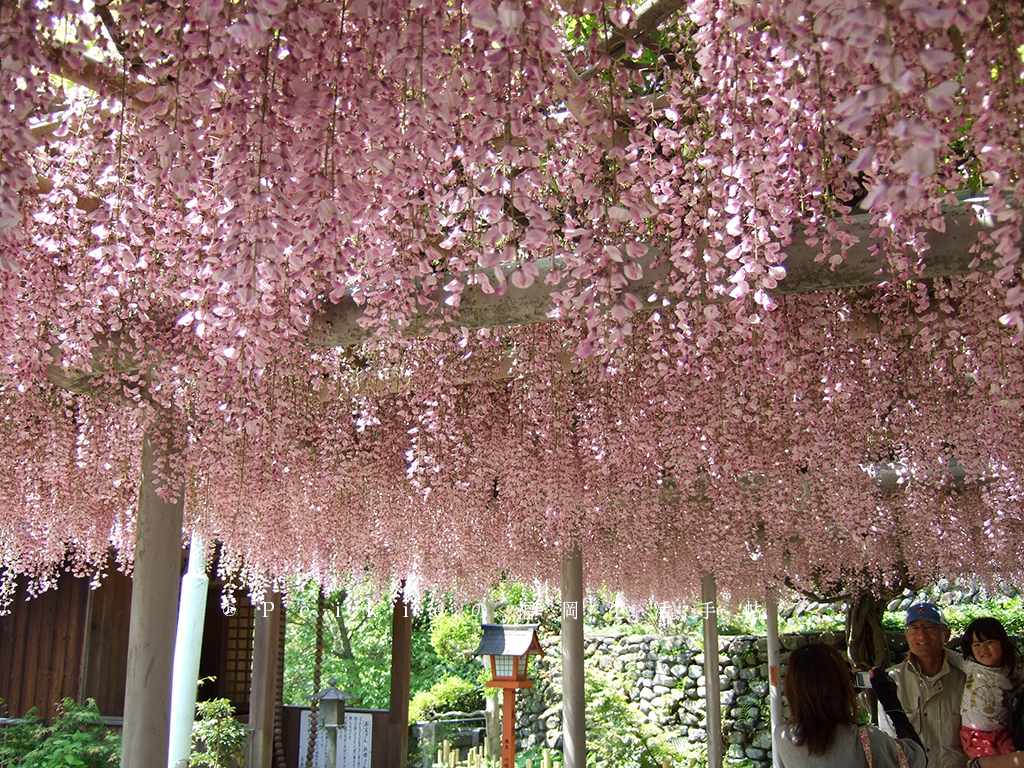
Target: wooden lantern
{"points": [[509, 647]]}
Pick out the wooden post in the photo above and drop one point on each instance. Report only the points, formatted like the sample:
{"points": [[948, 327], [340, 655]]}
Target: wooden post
{"points": [[401, 681], [154, 616], [263, 698], [573, 703], [712, 684], [508, 728]]}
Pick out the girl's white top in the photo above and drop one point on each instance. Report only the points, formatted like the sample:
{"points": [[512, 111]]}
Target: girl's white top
{"points": [[986, 702]]}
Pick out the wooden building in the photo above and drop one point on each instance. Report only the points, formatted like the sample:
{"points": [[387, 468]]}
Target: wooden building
{"points": [[72, 642]]}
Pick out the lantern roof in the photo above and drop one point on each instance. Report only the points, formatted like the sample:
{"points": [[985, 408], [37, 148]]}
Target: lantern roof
{"points": [[331, 693], [508, 640]]}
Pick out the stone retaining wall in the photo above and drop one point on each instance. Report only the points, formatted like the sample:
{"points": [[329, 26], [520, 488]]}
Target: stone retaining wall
{"points": [[664, 678]]}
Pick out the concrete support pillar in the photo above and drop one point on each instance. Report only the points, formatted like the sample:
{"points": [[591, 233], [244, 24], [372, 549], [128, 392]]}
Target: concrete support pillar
{"points": [[775, 694], [401, 682], [573, 704], [262, 701], [155, 576], [712, 683]]}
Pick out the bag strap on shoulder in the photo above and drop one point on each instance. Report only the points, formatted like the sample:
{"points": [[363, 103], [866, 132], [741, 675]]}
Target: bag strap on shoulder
{"points": [[866, 743]]}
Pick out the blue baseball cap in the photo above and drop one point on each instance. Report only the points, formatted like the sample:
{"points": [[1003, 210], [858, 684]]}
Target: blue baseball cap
{"points": [[928, 612]]}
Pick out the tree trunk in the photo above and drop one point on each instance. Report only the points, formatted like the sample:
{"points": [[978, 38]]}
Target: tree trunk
{"points": [[864, 636], [343, 634]]}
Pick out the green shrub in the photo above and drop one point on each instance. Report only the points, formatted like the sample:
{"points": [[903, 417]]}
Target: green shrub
{"points": [[78, 738], [452, 694], [19, 739], [1009, 612], [617, 735], [454, 636], [535, 755], [218, 740]]}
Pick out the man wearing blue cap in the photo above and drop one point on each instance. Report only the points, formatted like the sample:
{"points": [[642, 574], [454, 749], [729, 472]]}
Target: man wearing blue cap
{"points": [[929, 689]]}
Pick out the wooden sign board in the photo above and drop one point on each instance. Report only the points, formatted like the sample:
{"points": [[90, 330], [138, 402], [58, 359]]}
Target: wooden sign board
{"points": [[354, 741]]}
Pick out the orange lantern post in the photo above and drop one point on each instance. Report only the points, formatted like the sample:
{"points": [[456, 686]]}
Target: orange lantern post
{"points": [[509, 647]]}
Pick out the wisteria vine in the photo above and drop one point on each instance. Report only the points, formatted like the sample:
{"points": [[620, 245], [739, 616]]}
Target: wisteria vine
{"points": [[186, 187]]}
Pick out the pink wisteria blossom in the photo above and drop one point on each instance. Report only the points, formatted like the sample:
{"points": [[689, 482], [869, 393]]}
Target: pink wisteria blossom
{"points": [[184, 193]]}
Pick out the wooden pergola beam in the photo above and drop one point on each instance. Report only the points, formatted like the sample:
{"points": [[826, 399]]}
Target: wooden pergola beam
{"points": [[949, 253], [337, 325]]}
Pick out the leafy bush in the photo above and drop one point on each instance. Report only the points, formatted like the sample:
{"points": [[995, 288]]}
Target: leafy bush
{"points": [[1009, 611], [78, 738], [604, 611], [452, 694], [218, 740], [19, 739], [454, 636], [617, 735]]}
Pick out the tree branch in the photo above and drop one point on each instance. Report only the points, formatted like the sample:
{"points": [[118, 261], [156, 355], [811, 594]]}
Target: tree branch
{"points": [[649, 17], [837, 598], [97, 77], [113, 32]]}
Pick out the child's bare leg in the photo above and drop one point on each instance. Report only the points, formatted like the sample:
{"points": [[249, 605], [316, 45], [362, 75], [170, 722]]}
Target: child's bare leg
{"points": [[1011, 760]]}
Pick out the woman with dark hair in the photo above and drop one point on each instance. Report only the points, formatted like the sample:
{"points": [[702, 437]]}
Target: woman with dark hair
{"points": [[822, 731]]}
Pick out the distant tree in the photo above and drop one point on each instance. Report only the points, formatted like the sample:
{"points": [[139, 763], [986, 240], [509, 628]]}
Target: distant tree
{"points": [[357, 645]]}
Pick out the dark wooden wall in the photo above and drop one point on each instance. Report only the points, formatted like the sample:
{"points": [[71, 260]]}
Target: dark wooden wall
{"points": [[227, 652], [105, 657], [72, 642], [41, 644]]}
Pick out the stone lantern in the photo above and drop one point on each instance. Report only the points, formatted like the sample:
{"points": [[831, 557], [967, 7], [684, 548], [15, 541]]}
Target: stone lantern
{"points": [[331, 713]]}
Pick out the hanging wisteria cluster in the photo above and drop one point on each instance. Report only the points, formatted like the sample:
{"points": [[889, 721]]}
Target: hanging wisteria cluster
{"points": [[188, 189]]}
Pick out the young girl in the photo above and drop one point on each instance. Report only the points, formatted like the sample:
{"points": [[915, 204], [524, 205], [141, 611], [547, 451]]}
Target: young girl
{"points": [[992, 665]]}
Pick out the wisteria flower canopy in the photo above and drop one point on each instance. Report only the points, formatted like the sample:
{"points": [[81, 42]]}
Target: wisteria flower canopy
{"points": [[273, 234]]}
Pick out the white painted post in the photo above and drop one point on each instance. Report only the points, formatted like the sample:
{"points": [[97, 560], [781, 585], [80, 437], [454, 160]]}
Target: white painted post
{"points": [[154, 609], [573, 703], [775, 695], [188, 646], [712, 683]]}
